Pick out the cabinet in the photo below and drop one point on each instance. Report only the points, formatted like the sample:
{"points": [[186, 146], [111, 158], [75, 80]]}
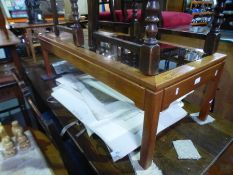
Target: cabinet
{"points": [[202, 11], [228, 15]]}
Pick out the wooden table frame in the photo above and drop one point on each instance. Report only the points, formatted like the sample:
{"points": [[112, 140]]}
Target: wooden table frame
{"points": [[150, 93]]}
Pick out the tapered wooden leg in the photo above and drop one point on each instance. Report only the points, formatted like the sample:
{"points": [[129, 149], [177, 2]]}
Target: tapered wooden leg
{"points": [[153, 103], [209, 95], [30, 40], [46, 61], [26, 43]]}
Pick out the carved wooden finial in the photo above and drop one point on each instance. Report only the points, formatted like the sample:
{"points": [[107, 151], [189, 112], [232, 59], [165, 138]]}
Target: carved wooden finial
{"points": [[55, 17], [218, 16], [152, 10], [75, 12], [135, 11], [77, 29]]}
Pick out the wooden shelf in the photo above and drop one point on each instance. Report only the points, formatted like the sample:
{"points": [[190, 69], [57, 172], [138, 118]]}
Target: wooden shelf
{"points": [[23, 20], [201, 2], [199, 24], [202, 13], [199, 6]]}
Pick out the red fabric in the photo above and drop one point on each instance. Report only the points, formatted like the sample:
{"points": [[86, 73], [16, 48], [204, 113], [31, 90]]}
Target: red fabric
{"points": [[106, 16], [170, 19], [119, 15], [174, 19]]}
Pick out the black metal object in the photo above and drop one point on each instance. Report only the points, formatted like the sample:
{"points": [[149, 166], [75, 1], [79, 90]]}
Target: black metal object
{"points": [[34, 12]]}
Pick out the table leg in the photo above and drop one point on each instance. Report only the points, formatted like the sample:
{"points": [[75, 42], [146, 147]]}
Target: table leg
{"points": [[26, 42], [46, 61], [16, 58], [209, 95], [153, 103], [29, 36]]}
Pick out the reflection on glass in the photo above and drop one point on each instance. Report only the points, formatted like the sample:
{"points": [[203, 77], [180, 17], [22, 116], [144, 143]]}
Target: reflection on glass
{"points": [[170, 56]]}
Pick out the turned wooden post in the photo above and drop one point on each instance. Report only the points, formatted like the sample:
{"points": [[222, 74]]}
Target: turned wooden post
{"points": [[34, 12], [93, 15], [150, 50], [213, 37], [135, 26], [55, 17], [77, 29]]}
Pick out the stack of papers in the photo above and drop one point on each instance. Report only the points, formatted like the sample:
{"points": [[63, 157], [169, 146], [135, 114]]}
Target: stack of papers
{"points": [[109, 114]]}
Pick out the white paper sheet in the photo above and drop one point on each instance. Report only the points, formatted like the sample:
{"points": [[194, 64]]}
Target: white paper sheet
{"points": [[119, 123], [70, 80], [186, 150]]}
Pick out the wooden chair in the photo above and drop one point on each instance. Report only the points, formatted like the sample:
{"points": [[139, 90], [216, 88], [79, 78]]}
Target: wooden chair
{"points": [[125, 12], [9, 89], [210, 36]]}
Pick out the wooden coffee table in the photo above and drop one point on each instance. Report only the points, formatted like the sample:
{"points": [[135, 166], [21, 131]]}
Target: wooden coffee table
{"points": [[152, 94]]}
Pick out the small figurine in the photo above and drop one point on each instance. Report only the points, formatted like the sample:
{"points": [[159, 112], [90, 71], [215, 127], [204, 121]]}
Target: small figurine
{"points": [[22, 140], [2, 131], [16, 127], [9, 147]]}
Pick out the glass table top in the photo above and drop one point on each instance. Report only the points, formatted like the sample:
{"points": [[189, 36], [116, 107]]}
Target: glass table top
{"points": [[171, 56]]}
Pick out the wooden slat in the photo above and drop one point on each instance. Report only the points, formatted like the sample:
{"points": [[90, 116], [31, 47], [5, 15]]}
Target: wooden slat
{"points": [[183, 87], [151, 82]]}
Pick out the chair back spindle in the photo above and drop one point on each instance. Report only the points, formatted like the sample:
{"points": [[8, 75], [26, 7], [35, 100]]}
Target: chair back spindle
{"points": [[150, 51], [76, 28]]}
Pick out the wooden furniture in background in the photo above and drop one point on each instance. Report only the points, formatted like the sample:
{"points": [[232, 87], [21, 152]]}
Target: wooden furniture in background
{"points": [[210, 35], [175, 5], [228, 15], [75, 29], [202, 12], [9, 89], [11, 44], [30, 32]]}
